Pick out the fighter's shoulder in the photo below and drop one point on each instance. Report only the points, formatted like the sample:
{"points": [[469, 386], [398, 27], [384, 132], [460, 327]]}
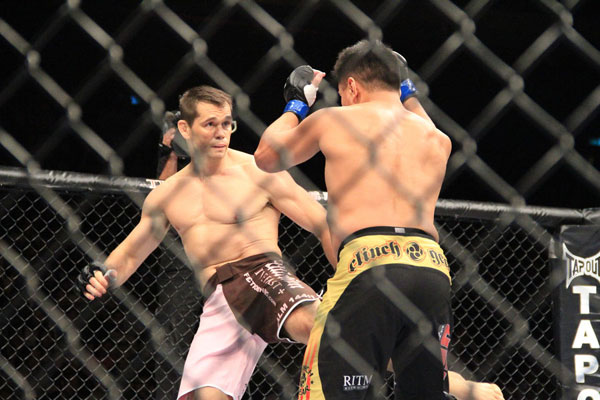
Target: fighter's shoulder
{"points": [[444, 140], [324, 116], [263, 182], [259, 177], [165, 189], [246, 163], [238, 157], [242, 160], [157, 195], [429, 128], [329, 112], [411, 117], [325, 122], [438, 136]]}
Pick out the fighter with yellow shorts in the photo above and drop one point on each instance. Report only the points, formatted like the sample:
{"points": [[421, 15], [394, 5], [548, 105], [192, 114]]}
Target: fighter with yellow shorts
{"points": [[401, 273]]}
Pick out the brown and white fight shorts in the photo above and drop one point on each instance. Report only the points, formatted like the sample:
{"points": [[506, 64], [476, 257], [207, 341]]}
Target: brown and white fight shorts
{"points": [[247, 303], [262, 291]]}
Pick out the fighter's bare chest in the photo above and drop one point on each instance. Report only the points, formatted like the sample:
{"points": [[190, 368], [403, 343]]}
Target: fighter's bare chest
{"points": [[225, 201]]}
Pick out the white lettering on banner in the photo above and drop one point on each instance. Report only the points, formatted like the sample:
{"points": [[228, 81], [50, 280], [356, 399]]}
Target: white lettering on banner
{"points": [[579, 266], [589, 394], [581, 321], [585, 364], [584, 292], [585, 335]]}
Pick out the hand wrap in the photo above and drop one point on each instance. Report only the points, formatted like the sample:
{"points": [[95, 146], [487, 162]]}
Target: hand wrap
{"points": [[299, 92], [88, 272], [407, 87]]}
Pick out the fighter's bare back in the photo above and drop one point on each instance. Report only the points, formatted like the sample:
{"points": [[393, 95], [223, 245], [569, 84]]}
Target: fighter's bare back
{"points": [[384, 166]]}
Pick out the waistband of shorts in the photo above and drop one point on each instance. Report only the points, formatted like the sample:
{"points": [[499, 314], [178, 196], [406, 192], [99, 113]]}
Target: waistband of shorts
{"points": [[382, 246], [383, 230], [229, 270]]}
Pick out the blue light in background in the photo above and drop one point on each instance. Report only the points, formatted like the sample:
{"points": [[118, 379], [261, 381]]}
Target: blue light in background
{"points": [[595, 141], [134, 100]]}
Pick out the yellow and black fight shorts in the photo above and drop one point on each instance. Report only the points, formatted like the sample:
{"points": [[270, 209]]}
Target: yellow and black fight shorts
{"points": [[389, 299]]}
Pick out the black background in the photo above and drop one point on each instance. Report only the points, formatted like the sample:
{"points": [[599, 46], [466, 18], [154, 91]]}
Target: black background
{"points": [[558, 81]]}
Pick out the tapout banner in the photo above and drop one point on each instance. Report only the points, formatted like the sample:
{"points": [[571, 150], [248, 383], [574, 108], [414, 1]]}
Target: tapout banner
{"points": [[575, 259]]}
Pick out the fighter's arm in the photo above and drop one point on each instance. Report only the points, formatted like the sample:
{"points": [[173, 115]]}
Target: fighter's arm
{"points": [[414, 105], [470, 390], [167, 165], [124, 260], [408, 91], [297, 204], [167, 158], [286, 143], [291, 139]]}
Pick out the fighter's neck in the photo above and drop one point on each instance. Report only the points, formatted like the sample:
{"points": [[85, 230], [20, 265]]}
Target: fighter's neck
{"points": [[380, 96], [204, 167]]}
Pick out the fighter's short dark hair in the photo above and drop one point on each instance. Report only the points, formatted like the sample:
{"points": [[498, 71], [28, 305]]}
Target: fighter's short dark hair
{"points": [[371, 62]]}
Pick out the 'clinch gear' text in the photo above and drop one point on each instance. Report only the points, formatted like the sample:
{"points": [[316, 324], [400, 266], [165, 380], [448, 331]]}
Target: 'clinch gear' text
{"points": [[368, 254]]}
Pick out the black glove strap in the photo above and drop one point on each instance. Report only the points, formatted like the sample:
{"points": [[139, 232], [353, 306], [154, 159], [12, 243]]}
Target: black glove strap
{"points": [[164, 150]]}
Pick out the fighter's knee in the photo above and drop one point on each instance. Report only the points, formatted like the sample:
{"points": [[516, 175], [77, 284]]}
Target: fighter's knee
{"points": [[302, 332], [300, 322], [311, 310], [305, 328]]}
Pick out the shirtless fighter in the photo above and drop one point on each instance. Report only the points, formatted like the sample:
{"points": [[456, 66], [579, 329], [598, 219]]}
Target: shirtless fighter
{"points": [[226, 211], [390, 295]]}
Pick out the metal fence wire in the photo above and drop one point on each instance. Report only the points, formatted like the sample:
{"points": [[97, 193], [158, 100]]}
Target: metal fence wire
{"points": [[131, 344]]}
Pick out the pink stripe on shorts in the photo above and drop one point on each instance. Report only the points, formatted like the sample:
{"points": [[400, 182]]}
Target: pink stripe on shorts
{"points": [[223, 354]]}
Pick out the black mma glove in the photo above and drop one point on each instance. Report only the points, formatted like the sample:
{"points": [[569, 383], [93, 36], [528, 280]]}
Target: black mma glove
{"points": [[88, 272], [299, 93], [407, 87]]}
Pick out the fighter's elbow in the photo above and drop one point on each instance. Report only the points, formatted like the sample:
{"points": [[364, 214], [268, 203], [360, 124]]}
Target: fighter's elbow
{"points": [[267, 160]]}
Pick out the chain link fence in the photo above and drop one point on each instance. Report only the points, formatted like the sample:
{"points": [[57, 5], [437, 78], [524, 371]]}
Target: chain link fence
{"points": [[132, 344]]}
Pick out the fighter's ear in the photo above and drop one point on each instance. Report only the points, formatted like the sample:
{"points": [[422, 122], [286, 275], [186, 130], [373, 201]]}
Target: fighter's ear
{"points": [[351, 82], [184, 128], [353, 87]]}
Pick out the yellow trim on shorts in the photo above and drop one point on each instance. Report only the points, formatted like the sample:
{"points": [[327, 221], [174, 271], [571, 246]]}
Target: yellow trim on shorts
{"points": [[365, 252]]}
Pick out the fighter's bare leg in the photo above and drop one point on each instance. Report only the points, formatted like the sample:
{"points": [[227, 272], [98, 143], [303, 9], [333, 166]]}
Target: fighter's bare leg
{"points": [[300, 321], [470, 390], [210, 393]]}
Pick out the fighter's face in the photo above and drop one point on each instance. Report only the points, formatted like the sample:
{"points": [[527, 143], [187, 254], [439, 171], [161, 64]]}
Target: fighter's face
{"points": [[211, 130]]}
